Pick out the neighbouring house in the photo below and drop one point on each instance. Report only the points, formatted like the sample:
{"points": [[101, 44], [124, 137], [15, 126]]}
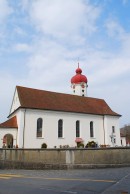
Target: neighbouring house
{"points": [[57, 119], [125, 135]]}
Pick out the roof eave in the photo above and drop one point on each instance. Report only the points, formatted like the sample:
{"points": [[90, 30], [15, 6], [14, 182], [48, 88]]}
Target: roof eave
{"points": [[22, 107], [8, 127]]}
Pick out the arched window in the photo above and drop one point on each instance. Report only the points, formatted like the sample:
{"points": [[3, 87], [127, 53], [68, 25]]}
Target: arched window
{"points": [[77, 128], [60, 128], [39, 127], [91, 129]]}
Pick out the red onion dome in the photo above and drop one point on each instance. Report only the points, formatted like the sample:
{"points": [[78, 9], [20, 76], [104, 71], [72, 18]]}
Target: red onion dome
{"points": [[78, 70], [78, 78]]}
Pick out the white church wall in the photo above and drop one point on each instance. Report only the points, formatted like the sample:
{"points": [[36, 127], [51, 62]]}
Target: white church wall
{"points": [[112, 121], [27, 129], [50, 128], [20, 114], [15, 102], [98, 129]]}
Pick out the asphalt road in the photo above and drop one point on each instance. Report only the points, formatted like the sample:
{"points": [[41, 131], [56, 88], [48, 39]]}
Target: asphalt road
{"points": [[89, 181]]}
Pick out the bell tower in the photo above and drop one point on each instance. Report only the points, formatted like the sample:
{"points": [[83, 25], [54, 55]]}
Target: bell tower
{"points": [[79, 83]]}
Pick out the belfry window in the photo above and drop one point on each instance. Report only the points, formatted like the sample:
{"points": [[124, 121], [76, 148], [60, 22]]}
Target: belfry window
{"points": [[39, 127], [77, 128], [113, 129], [60, 128], [91, 129]]}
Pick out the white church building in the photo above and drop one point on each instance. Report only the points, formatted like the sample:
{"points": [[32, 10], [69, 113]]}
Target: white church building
{"points": [[57, 119]]}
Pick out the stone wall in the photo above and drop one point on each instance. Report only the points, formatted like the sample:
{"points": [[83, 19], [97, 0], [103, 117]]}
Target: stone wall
{"points": [[64, 158]]}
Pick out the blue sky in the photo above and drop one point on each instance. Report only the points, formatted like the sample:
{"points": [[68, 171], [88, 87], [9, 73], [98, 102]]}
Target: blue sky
{"points": [[41, 42]]}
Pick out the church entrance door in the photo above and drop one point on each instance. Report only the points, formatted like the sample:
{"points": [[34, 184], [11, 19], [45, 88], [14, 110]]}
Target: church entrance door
{"points": [[8, 140]]}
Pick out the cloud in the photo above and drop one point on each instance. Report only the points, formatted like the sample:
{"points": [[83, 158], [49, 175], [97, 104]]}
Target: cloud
{"points": [[50, 57], [63, 27], [48, 60], [5, 10], [21, 47], [20, 31], [125, 2], [64, 19], [6, 90], [24, 4], [114, 29]]}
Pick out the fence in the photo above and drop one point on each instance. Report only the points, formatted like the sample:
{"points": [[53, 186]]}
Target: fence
{"points": [[64, 158]]}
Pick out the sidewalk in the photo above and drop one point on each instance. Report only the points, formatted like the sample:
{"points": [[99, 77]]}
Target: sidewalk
{"points": [[121, 187]]}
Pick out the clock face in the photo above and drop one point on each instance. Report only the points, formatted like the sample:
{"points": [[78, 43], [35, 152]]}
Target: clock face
{"points": [[83, 86]]}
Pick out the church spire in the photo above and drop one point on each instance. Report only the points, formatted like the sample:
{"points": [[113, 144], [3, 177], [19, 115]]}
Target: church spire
{"points": [[79, 83]]}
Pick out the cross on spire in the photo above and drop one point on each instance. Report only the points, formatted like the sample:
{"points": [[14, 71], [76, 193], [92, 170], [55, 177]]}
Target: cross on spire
{"points": [[78, 64]]}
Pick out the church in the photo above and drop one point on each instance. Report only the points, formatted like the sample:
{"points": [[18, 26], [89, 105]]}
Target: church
{"points": [[59, 120]]}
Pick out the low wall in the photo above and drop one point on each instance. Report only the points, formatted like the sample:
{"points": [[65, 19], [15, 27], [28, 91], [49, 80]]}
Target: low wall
{"points": [[64, 158]]}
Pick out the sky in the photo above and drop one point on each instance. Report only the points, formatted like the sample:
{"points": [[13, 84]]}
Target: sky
{"points": [[42, 41]]}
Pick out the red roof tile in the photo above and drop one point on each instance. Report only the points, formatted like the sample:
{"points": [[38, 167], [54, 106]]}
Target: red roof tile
{"points": [[46, 100], [11, 123]]}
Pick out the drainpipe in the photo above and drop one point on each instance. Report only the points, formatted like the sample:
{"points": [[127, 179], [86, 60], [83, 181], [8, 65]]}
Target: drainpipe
{"points": [[24, 128], [16, 136], [104, 129]]}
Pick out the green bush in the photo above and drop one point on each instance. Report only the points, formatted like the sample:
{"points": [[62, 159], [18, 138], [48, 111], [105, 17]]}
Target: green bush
{"points": [[44, 145], [80, 145], [91, 144]]}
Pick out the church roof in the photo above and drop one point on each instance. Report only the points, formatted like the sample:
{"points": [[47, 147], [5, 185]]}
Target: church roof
{"points": [[11, 123], [46, 100]]}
